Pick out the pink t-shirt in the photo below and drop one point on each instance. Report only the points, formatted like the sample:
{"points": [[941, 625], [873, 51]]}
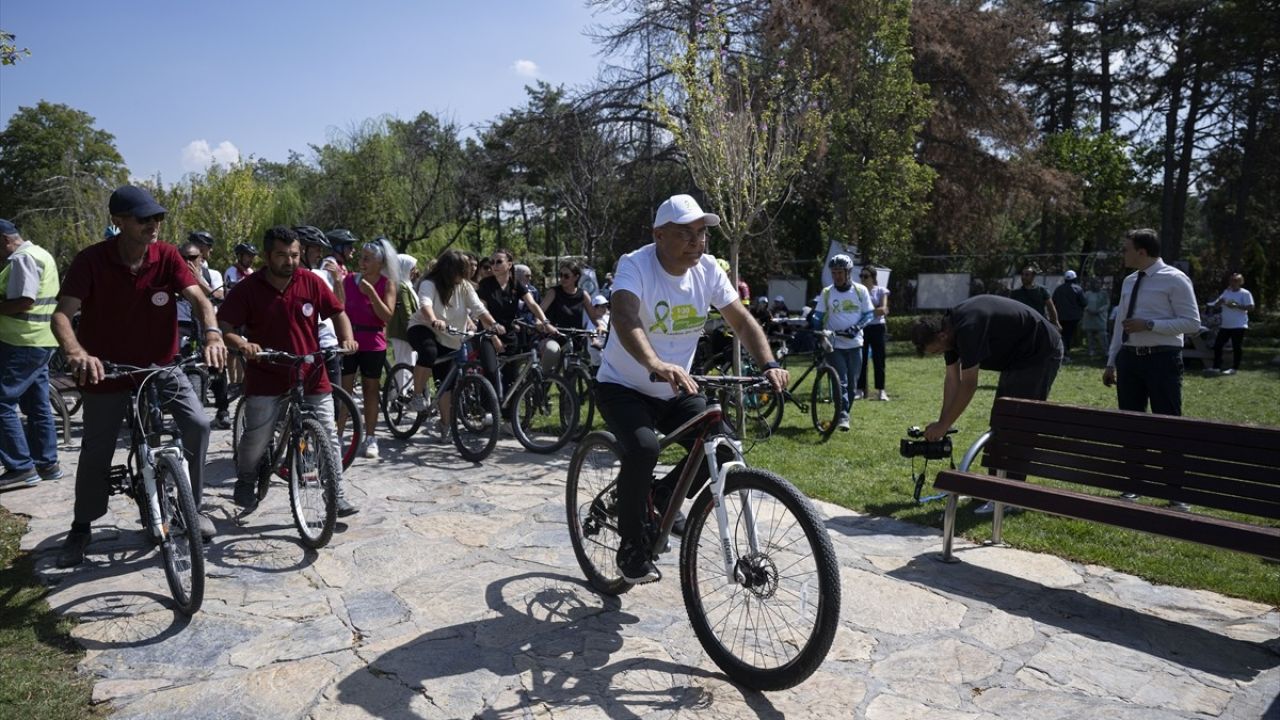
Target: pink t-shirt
{"points": [[368, 328]]}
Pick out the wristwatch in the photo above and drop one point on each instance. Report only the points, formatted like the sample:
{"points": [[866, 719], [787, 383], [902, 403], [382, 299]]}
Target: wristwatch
{"points": [[1151, 325]]}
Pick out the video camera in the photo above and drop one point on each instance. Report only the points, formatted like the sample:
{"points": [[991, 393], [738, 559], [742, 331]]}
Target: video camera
{"points": [[929, 450]]}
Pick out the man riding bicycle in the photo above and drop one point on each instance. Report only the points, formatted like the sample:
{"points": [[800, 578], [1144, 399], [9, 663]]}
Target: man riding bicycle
{"points": [[280, 308], [661, 295]]}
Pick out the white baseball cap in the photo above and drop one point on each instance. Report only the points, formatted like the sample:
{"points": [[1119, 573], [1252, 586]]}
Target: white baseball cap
{"points": [[1069, 275], [682, 210], [599, 300]]}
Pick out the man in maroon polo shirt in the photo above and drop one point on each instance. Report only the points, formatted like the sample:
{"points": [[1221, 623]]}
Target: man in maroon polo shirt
{"points": [[281, 309], [124, 290]]}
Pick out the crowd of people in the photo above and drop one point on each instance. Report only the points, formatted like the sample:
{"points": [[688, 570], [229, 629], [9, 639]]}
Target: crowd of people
{"points": [[305, 295]]}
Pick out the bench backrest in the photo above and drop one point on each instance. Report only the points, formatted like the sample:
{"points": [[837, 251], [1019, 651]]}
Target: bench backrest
{"points": [[1201, 462]]}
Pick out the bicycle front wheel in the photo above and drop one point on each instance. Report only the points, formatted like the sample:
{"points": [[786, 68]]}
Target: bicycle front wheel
{"points": [[475, 417], [396, 394], [181, 546], [770, 624], [313, 484], [824, 400], [583, 388], [591, 502], [544, 414], [350, 432]]}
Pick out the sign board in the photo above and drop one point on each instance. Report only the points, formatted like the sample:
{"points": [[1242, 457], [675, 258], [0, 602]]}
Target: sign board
{"points": [[941, 291]]}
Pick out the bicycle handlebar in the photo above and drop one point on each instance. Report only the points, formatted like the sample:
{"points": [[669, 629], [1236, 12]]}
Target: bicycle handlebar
{"points": [[722, 381], [116, 371], [269, 355]]}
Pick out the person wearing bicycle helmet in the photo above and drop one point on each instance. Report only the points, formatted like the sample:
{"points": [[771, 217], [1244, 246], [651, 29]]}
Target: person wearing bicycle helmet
{"points": [[341, 241], [280, 308], [316, 257], [123, 289], [844, 307], [245, 254], [659, 307]]}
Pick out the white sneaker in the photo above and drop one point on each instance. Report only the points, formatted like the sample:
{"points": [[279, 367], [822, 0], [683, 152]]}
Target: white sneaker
{"points": [[418, 404], [369, 448], [859, 395], [989, 508], [843, 423], [884, 396]]}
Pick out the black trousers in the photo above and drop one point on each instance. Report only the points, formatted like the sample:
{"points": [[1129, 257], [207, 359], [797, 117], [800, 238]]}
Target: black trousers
{"points": [[1154, 379], [873, 337], [1069, 333], [635, 420], [217, 378], [1236, 336]]}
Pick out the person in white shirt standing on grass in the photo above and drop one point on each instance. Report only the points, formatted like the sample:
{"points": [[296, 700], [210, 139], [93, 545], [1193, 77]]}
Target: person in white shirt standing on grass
{"points": [[844, 307], [1236, 302], [1157, 307]]}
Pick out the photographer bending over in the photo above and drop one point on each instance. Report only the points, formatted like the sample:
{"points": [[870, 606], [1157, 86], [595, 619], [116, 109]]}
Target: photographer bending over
{"points": [[989, 332]]}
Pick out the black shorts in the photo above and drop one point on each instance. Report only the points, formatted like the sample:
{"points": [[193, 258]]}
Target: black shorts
{"points": [[369, 362]]}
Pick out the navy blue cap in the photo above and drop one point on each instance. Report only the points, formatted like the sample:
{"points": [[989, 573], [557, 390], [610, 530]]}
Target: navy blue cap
{"points": [[7, 228], [135, 201]]}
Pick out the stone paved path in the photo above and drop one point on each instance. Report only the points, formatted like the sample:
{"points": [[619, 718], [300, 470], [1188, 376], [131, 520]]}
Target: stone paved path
{"points": [[455, 594]]}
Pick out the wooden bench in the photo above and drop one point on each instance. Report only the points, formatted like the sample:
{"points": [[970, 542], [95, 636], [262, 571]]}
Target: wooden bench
{"points": [[1202, 463]]}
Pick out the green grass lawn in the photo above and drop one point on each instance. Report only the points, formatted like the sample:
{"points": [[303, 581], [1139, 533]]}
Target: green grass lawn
{"points": [[38, 658], [863, 471]]}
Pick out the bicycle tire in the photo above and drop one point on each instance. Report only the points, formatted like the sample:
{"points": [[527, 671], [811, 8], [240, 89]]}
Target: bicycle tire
{"points": [[591, 509], [583, 386], [313, 484], [59, 405], [780, 572], [475, 418], [544, 414], [397, 391], [824, 400], [352, 432], [78, 400], [182, 548], [198, 377]]}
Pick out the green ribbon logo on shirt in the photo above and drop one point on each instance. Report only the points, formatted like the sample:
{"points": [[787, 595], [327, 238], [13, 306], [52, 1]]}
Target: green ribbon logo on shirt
{"points": [[661, 313]]}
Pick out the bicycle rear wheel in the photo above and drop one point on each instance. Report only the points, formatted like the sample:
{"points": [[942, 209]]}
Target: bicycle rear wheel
{"points": [[544, 414], [59, 405], [396, 394], [591, 503], [313, 484], [181, 546], [475, 417], [770, 626], [824, 400], [351, 432]]}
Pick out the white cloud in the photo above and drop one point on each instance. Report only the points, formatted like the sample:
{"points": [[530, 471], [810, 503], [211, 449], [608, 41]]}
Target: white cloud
{"points": [[198, 156], [526, 68]]}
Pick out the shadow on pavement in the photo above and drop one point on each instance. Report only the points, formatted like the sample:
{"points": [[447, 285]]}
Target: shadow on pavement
{"points": [[124, 619], [1078, 613], [555, 630]]}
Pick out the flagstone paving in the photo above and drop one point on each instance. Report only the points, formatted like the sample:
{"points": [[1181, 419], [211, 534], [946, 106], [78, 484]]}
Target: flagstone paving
{"points": [[455, 594]]}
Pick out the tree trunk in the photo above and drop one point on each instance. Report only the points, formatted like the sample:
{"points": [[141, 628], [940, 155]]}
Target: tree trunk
{"points": [[1248, 167], [1105, 101], [524, 223], [1174, 81], [1173, 250]]}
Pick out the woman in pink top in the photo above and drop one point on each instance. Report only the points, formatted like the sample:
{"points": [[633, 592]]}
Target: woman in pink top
{"points": [[370, 304]]}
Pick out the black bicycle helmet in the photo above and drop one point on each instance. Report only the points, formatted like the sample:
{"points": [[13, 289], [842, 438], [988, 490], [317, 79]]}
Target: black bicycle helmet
{"points": [[340, 237], [245, 249], [311, 235], [200, 237]]}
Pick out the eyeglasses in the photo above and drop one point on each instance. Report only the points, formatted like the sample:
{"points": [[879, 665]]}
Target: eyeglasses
{"points": [[496, 261], [689, 235], [192, 257], [157, 218]]}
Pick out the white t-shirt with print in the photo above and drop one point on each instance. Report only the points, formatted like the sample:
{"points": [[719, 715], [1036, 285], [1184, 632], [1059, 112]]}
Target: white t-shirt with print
{"points": [[845, 309], [1235, 318], [673, 312]]}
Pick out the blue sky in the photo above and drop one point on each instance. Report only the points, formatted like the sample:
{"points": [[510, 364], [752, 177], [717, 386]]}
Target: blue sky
{"points": [[179, 83]]}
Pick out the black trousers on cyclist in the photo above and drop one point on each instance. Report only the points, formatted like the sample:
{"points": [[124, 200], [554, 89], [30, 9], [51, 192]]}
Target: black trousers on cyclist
{"points": [[635, 420], [424, 342], [217, 378]]}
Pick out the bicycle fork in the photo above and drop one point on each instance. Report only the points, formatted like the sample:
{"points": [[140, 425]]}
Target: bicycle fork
{"points": [[158, 529], [719, 473]]}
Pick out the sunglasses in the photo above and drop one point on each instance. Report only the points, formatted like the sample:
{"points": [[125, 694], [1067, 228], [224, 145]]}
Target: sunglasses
{"points": [[192, 257], [496, 261]]}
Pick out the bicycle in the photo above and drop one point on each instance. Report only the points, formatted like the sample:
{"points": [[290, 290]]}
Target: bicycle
{"points": [[312, 466], [823, 407], [474, 422], [762, 591], [155, 477], [543, 408], [350, 433], [575, 368]]}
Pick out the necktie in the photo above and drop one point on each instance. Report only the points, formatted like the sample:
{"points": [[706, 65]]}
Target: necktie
{"points": [[1133, 301]]}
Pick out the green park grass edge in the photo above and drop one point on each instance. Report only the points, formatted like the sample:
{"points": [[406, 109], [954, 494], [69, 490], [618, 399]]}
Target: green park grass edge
{"points": [[862, 470], [38, 657]]}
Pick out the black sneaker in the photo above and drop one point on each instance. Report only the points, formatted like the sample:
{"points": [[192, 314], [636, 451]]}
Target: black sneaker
{"points": [[20, 478], [207, 530], [221, 421], [345, 508], [246, 495], [72, 552], [635, 565]]}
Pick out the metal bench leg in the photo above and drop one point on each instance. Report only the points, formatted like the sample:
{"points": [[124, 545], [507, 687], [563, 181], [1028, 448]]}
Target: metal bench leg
{"points": [[997, 518], [949, 529]]}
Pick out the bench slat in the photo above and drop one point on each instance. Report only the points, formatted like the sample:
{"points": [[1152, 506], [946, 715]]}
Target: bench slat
{"points": [[1216, 532]]}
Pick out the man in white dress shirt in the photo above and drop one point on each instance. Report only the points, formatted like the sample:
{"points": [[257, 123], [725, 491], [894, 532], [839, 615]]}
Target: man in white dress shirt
{"points": [[1157, 307]]}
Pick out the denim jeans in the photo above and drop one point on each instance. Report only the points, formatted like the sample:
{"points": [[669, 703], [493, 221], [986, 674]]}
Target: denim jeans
{"points": [[848, 363], [24, 385]]}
